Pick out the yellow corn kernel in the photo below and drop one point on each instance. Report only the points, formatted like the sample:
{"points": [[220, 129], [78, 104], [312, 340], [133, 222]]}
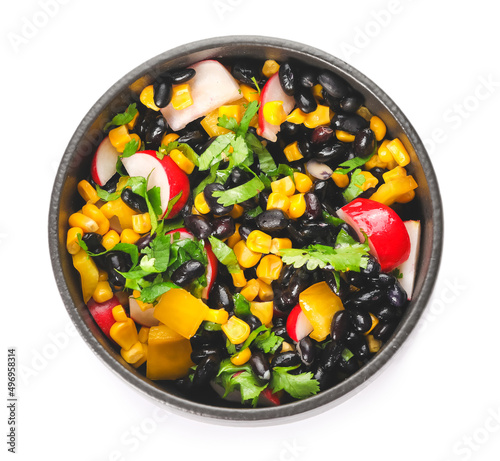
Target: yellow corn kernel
{"points": [[297, 206], [374, 324], [87, 191], [286, 347], [129, 236], [385, 154], [110, 239], [97, 215], [181, 96], [147, 98], [143, 335], [292, 152], [242, 357], [123, 331], [239, 280], [250, 290], [141, 223], [274, 113], [317, 91], [278, 201], [263, 311], [246, 257], [135, 354], [395, 173], [249, 93], [399, 152], [269, 267], [375, 162], [102, 292], [378, 127], [340, 180], [210, 124], [388, 193], [103, 275], [406, 197], [168, 138], [270, 67], [237, 211], [235, 238], [124, 213], [72, 244], [219, 316], [303, 183], [278, 244], [182, 161], [266, 292], [374, 345], [321, 116], [83, 222], [284, 186], [231, 111], [259, 241], [130, 125], [296, 116], [135, 137], [89, 273], [370, 181], [344, 136], [201, 204], [236, 330], [119, 137]]}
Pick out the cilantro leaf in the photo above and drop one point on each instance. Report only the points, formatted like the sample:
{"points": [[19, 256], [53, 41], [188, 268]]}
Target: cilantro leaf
{"points": [[214, 153], [298, 386], [355, 186], [150, 293], [186, 149], [268, 342], [225, 255], [241, 305], [124, 117], [172, 202], [228, 123], [240, 193], [250, 112], [349, 165], [266, 161], [332, 220], [131, 148]]}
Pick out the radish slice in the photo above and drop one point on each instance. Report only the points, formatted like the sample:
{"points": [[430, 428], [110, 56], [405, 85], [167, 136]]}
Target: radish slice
{"points": [[103, 165], [298, 325], [144, 318], [102, 313], [272, 91], [211, 87], [409, 267]]}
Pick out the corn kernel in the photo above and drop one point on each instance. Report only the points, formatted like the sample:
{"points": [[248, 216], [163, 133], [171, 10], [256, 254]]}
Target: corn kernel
{"points": [[378, 127], [219, 316], [388, 193], [278, 201], [370, 181], [83, 222], [375, 162], [168, 138], [259, 241], [249, 93], [72, 244], [399, 152], [265, 291], [235, 238], [110, 239], [236, 330], [129, 236], [210, 124], [147, 98], [103, 275], [286, 347], [406, 197], [296, 116], [119, 313], [344, 136], [274, 113], [242, 357], [250, 290], [374, 345], [384, 153], [317, 91], [130, 125], [278, 244], [143, 335], [141, 223], [292, 152], [119, 137], [269, 267], [284, 186], [395, 173], [374, 323], [97, 215], [134, 354], [239, 280], [270, 67], [321, 116], [103, 292], [246, 257], [181, 96], [340, 180], [201, 204], [263, 311], [182, 161], [87, 191], [297, 206], [135, 137], [142, 305], [303, 183]]}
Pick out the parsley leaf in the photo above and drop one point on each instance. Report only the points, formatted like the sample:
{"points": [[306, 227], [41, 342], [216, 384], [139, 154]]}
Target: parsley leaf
{"points": [[240, 193], [298, 386], [124, 117], [355, 186], [225, 255]]}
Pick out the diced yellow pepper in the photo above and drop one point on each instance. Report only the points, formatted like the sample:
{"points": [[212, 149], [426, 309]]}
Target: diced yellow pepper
{"points": [[236, 330], [284, 186], [231, 111], [389, 192], [89, 273], [263, 311], [142, 305], [210, 124], [269, 267], [321, 116], [249, 93], [296, 116], [169, 354], [319, 304], [181, 96], [292, 152]]}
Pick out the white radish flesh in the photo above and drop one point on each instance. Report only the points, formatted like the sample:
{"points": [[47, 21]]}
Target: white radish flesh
{"points": [[104, 162], [144, 318], [409, 267]]}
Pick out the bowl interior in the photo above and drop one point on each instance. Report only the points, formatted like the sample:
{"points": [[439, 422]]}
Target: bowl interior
{"points": [[75, 165]]}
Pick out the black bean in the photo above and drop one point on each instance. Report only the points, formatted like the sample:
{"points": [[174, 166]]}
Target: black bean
{"points": [[385, 313], [329, 194], [364, 142], [321, 134], [193, 138], [214, 205], [179, 76], [350, 231], [162, 92], [361, 320], [187, 272], [348, 366], [253, 322], [384, 330], [331, 355], [333, 103], [117, 261], [352, 102], [244, 231], [134, 201], [280, 330], [260, 366], [341, 323], [305, 99], [221, 297], [298, 283], [154, 132], [372, 268], [223, 227], [206, 370], [286, 359], [396, 295], [308, 77], [288, 78], [199, 354], [342, 290], [351, 123], [272, 221], [289, 130], [358, 345], [333, 84], [145, 241], [333, 154], [306, 350], [313, 206], [204, 339], [237, 177], [325, 378], [93, 240], [378, 173], [198, 225], [312, 229], [306, 148], [246, 70], [366, 298]]}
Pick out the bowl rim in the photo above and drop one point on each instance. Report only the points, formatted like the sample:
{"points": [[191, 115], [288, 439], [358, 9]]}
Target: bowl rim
{"points": [[325, 399]]}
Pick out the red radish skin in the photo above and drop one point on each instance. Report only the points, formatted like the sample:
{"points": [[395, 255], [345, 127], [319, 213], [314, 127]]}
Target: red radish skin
{"points": [[211, 87], [272, 91], [102, 313], [298, 325], [164, 174], [387, 235], [103, 166]]}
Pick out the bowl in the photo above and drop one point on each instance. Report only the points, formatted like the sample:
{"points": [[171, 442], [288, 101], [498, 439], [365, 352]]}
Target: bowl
{"points": [[76, 161]]}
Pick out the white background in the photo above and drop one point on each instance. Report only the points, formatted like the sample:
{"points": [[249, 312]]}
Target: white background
{"points": [[439, 398]]}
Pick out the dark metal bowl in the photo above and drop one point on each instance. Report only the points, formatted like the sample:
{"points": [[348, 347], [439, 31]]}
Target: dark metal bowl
{"points": [[76, 163]]}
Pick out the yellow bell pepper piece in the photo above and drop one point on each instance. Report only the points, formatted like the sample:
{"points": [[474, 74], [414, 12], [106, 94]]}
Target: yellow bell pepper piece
{"points": [[89, 273], [319, 304]]}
